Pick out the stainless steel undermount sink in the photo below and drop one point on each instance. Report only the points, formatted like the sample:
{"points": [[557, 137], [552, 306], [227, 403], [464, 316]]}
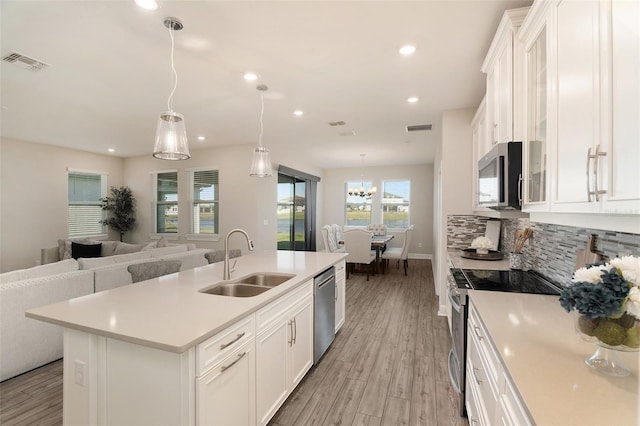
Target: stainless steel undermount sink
{"points": [[237, 290], [267, 280], [248, 286]]}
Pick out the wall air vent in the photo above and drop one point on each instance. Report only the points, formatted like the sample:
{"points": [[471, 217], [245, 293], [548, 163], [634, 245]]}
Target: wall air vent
{"points": [[419, 128], [24, 61], [337, 123]]}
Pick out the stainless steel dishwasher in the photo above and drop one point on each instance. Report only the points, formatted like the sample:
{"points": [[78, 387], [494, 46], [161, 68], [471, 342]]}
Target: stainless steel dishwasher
{"points": [[324, 312]]}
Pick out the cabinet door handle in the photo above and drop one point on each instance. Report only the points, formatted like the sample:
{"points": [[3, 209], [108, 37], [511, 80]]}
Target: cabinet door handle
{"points": [[589, 157], [597, 192], [238, 337], [335, 291], [290, 333], [476, 330], [226, 367], [295, 331]]}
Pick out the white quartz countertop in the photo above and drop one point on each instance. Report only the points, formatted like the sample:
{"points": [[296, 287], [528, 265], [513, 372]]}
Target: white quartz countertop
{"points": [[169, 313], [455, 256], [545, 358]]}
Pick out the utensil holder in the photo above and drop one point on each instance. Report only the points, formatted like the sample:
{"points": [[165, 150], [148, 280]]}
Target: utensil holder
{"points": [[516, 261]]}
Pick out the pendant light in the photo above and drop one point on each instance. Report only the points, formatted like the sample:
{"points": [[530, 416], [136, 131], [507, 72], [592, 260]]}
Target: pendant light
{"points": [[171, 134], [261, 163]]}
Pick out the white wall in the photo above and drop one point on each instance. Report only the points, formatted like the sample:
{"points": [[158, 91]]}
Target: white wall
{"points": [[245, 202], [33, 196], [453, 177], [421, 177]]}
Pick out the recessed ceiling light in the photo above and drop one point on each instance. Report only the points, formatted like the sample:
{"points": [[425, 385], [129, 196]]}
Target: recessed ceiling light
{"points": [[250, 76], [298, 112], [407, 50], [413, 99], [147, 4], [111, 150], [201, 138]]}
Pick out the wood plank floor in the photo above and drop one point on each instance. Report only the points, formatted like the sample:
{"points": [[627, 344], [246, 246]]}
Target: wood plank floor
{"points": [[387, 366]]}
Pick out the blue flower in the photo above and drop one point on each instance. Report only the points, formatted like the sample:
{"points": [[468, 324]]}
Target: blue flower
{"points": [[592, 300]]}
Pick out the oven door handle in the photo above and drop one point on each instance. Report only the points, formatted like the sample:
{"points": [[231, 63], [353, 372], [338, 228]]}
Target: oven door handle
{"points": [[454, 382], [456, 305]]}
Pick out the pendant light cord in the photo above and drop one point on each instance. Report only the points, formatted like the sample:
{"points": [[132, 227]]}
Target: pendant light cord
{"points": [[174, 77], [261, 115]]}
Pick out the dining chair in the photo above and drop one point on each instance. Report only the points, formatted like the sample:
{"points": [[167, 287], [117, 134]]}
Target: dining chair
{"points": [[330, 239], [377, 229], [399, 253], [357, 243], [154, 269]]}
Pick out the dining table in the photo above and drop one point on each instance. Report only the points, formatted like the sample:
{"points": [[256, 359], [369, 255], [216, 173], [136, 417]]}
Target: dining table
{"points": [[379, 244]]}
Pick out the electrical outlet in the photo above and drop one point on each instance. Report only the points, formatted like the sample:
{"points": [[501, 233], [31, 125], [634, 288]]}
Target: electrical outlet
{"points": [[265, 222], [419, 245], [79, 368]]}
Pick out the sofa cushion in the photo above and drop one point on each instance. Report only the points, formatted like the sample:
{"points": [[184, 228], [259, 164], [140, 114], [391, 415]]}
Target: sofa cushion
{"points": [[11, 276], [161, 251], [190, 259], [98, 262], [85, 250], [125, 248], [63, 266], [109, 248]]}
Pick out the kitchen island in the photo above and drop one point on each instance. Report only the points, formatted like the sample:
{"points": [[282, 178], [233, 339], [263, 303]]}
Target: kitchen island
{"points": [[542, 359], [147, 353]]}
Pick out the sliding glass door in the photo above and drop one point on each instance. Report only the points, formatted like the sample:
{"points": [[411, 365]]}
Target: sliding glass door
{"points": [[296, 210]]}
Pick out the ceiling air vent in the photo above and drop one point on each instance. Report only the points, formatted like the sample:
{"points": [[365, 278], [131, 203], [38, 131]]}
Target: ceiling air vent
{"points": [[24, 61], [419, 128], [337, 123]]}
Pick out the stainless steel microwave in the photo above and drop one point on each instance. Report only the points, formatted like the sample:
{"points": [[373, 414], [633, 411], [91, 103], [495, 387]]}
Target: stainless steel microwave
{"points": [[500, 177]]}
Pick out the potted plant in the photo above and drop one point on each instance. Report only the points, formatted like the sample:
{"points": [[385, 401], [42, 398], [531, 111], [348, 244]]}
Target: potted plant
{"points": [[121, 204]]}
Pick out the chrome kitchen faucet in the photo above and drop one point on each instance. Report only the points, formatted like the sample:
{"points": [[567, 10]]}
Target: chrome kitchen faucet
{"points": [[226, 274]]}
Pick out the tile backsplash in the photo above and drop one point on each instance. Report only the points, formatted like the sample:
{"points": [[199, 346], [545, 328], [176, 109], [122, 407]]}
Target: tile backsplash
{"points": [[552, 249]]}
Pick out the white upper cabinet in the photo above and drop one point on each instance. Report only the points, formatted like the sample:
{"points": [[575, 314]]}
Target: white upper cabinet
{"points": [[582, 106], [504, 74], [535, 165], [622, 105]]}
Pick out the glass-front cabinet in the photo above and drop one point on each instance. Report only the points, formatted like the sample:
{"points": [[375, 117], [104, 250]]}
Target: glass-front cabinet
{"points": [[535, 183], [537, 121]]}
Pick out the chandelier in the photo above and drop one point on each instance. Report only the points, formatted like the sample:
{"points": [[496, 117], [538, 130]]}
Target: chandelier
{"points": [[361, 192]]}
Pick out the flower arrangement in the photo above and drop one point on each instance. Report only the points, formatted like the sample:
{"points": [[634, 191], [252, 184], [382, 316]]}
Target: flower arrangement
{"points": [[482, 243], [607, 298]]}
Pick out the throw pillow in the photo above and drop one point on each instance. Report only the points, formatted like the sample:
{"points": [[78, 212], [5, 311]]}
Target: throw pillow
{"points": [[109, 248], [125, 248], [85, 250]]}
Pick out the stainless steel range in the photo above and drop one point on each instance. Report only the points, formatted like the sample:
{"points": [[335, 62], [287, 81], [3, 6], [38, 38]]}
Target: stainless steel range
{"points": [[460, 281]]}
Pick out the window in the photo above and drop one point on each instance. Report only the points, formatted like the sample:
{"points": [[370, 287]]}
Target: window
{"points": [[205, 202], [167, 202], [395, 203], [357, 209], [84, 206]]}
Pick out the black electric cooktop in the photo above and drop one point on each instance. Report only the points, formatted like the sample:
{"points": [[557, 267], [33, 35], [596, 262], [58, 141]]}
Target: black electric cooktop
{"points": [[510, 281]]}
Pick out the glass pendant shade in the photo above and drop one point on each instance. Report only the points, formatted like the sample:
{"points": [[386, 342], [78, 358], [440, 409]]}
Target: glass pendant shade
{"points": [[261, 163], [171, 137]]}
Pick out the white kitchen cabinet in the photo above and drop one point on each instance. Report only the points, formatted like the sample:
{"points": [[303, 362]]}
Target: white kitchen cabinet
{"points": [[578, 102], [225, 395], [340, 294], [502, 65], [491, 397], [481, 145], [535, 171], [595, 50], [284, 349], [622, 110]]}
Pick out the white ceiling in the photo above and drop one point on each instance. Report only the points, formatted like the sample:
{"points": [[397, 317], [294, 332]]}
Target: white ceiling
{"points": [[109, 73]]}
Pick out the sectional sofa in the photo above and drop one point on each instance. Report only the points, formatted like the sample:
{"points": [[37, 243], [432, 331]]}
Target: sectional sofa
{"points": [[25, 343]]}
